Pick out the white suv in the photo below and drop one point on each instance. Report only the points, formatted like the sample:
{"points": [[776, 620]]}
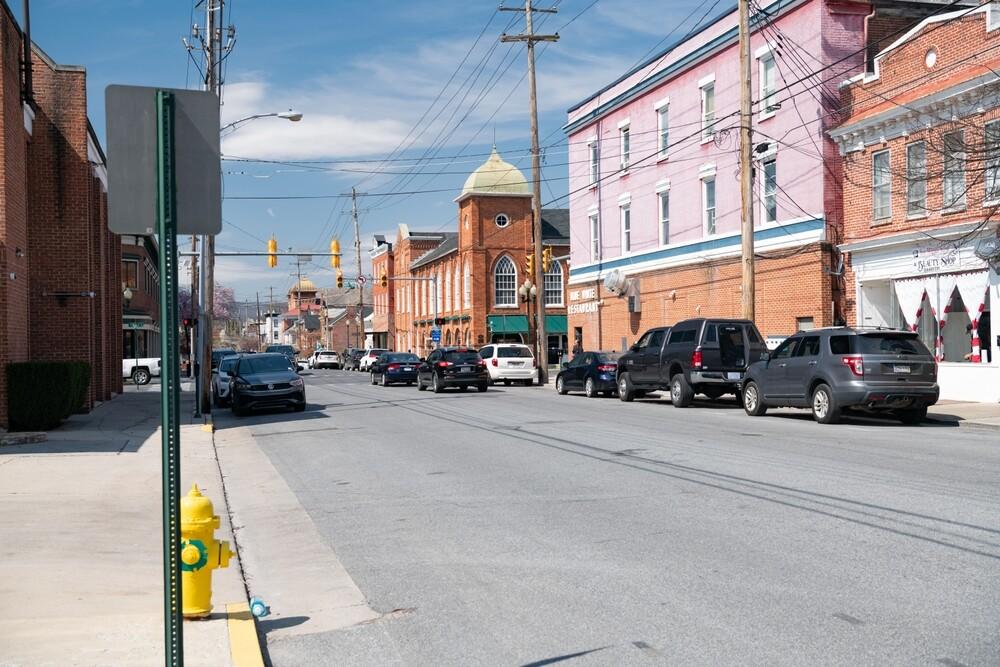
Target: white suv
{"points": [[370, 356], [510, 362]]}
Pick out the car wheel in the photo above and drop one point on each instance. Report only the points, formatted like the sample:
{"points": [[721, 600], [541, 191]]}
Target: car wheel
{"points": [[626, 392], [436, 386], [560, 386], [589, 388], [483, 387], [373, 379], [681, 393], [141, 376], [420, 385], [824, 406], [752, 401], [385, 380], [913, 416]]}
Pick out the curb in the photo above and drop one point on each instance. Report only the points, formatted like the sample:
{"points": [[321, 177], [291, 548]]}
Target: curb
{"points": [[244, 646], [26, 438], [964, 423]]}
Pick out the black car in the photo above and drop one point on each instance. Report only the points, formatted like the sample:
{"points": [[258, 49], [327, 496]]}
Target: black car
{"points": [[217, 356], [286, 350], [393, 367], [453, 367], [593, 372], [266, 380], [830, 370], [697, 356], [352, 360]]}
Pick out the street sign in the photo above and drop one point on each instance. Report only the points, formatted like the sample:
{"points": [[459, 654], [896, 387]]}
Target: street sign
{"points": [[361, 280], [436, 335], [132, 158]]}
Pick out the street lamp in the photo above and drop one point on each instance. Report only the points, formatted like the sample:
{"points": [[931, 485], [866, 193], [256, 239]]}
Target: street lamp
{"points": [[528, 292], [293, 116]]}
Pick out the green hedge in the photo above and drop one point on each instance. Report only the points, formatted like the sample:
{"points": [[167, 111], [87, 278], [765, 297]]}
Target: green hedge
{"points": [[40, 394]]}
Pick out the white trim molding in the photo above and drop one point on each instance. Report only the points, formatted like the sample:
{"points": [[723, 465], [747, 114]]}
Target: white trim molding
{"points": [[625, 198], [662, 185], [624, 123], [659, 104], [707, 170], [704, 81]]}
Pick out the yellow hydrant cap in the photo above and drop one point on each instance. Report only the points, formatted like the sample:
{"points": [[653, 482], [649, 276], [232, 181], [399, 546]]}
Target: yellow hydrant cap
{"points": [[196, 508]]}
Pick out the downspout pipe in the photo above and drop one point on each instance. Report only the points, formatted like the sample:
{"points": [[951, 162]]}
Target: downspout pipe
{"points": [[870, 49]]}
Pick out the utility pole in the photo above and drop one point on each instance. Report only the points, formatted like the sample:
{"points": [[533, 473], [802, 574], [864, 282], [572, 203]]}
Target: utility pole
{"points": [[195, 339], [529, 37], [258, 321], [746, 166], [357, 251]]}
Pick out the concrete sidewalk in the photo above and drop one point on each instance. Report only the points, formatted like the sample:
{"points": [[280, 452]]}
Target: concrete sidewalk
{"points": [[82, 577], [973, 415]]}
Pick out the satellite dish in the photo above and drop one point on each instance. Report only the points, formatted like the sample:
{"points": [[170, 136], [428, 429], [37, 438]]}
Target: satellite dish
{"points": [[615, 282], [988, 250]]}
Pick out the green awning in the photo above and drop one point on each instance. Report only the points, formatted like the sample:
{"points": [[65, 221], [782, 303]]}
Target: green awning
{"points": [[507, 324], [555, 324]]}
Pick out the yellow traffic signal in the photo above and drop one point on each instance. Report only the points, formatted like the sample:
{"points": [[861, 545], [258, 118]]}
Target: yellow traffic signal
{"points": [[335, 253], [546, 259], [272, 248], [340, 278], [384, 280], [529, 265]]}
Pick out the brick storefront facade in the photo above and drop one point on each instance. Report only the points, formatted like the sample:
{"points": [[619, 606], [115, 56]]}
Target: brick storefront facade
{"points": [[60, 267]]}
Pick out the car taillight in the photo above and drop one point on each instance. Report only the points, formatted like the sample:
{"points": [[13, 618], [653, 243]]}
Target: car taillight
{"points": [[607, 368], [444, 364], [482, 362], [494, 362], [696, 358], [534, 364], [393, 367], [855, 364]]}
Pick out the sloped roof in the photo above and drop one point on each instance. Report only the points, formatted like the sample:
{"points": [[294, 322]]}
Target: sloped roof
{"points": [[448, 245], [555, 225]]}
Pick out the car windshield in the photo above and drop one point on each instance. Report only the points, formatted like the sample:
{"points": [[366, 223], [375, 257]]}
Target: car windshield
{"points": [[513, 352], [264, 364], [899, 343], [607, 357], [375, 353], [462, 357], [403, 357], [228, 363]]}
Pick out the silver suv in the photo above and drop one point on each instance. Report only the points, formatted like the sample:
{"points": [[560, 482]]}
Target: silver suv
{"points": [[830, 370]]}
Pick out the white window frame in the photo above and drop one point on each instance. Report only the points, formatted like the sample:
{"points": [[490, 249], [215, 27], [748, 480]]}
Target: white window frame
{"points": [[594, 161], [555, 272], [706, 89], [467, 286], [991, 179], [663, 212], [916, 206], [767, 93], [765, 196], [624, 145], [709, 214], [513, 286], [881, 213], [594, 222], [662, 110], [625, 218], [954, 176], [457, 298]]}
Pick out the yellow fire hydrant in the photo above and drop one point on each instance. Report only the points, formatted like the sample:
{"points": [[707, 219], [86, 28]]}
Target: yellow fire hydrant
{"points": [[200, 553]]}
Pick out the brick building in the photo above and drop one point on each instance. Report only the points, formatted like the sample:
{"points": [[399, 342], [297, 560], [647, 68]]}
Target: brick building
{"points": [[341, 326], [140, 297], [655, 206], [471, 277], [383, 303], [921, 154], [60, 268]]}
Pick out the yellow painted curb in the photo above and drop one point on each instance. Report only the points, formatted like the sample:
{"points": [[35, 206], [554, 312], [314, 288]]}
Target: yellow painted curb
{"points": [[243, 644], [208, 428]]}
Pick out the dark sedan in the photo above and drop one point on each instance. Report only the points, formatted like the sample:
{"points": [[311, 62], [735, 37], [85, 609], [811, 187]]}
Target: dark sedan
{"points": [[453, 367], [593, 372], [265, 380], [394, 367]]}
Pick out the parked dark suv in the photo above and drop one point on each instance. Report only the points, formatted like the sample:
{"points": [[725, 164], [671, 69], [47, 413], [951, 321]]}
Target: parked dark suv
{"points": [[828, 370], [453, 367], [697, 356]]}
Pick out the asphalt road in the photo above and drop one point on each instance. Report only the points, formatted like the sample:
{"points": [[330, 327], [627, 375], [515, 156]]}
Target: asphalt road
{"points": [[518, 527]]}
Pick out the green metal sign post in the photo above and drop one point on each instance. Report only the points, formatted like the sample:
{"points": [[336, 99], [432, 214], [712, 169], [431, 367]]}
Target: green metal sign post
{"points": [[170, 389]]}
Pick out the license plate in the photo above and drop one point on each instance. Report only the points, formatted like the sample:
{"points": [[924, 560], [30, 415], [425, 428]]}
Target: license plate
{"points": [[465, 369], [408, 368], [734, 376], [515, 363], [900, 369]]}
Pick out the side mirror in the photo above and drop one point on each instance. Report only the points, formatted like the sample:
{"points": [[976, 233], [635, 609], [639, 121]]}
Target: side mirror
{"points": [[564, 365], [765, 355], [231, 373], [634, 348], [295, 351], [422, 360]]}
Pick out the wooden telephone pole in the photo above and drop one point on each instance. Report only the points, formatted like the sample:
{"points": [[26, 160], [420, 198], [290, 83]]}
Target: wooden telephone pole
{"points": [[529, 37], [746, 165]]}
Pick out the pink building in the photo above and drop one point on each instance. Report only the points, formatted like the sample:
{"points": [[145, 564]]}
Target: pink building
{"points": [[654, 180]]}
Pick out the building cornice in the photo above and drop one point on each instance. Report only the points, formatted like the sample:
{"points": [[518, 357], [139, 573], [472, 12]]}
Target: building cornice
{"points": [[904, 238]]}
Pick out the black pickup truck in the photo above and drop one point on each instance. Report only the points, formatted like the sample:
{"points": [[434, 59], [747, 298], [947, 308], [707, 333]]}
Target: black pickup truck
{"points": [[697, 356]]}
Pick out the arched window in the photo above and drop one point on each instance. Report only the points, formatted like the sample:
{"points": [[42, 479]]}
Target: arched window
{"points": [[467, 298], [505, 283], [447, 339], [440, 287], [554, 285], [447, 289]]}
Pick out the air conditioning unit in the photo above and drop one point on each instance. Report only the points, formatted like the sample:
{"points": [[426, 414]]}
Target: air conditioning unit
{"points": [[615, 282]]}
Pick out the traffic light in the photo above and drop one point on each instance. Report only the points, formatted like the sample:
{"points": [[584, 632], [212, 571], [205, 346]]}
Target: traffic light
{"points": [[438, 321], [546, 259], [189, 322], [384, 280], [529, 264], [335, 253], [340, 278], [272, 249]]}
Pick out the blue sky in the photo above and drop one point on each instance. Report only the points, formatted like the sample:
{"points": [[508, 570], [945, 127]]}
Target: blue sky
{"points": [[363, 74]]}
